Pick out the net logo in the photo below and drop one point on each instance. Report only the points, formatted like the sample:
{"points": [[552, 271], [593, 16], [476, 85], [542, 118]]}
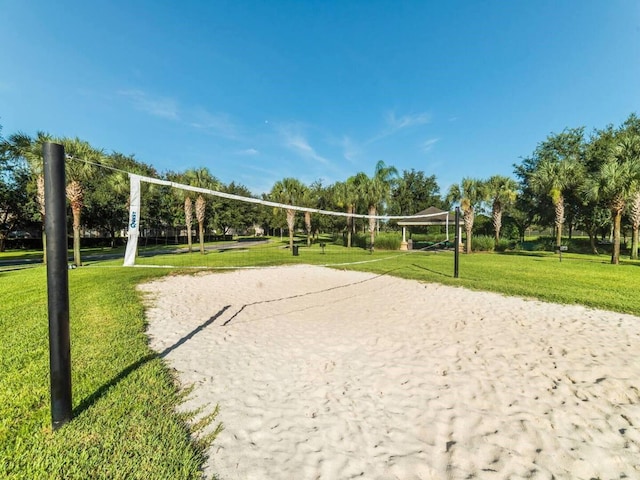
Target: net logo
{"points": [[134, 220]]}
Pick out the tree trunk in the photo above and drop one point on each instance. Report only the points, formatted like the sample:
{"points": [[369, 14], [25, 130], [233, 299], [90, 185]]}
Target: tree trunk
{"points": [[372, 226], [592, 242], [291, 221], [188, 218], [201, 235], [44, 243], [76, 235], [350, 209], [307, 224], [635, 224], [497, 220], [559, 208], [201, 206], [468, 217], [616, 212], [75, 194], [40, 199]]}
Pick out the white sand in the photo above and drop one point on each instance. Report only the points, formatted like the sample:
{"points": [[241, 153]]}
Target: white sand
{"points": [[324, 374]]}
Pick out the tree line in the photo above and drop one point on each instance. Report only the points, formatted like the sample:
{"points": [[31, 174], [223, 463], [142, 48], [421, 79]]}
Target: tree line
{"points": [[570, 181]]}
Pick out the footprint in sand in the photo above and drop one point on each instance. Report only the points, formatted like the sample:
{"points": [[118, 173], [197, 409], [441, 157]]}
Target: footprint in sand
{"points": [[329, 366]]}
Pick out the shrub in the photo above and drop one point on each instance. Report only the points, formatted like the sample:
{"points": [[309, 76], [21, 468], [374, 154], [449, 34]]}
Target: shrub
{"points": [[360, 240], [503, 245], [383, 241], [482, 243], [388, 241]]}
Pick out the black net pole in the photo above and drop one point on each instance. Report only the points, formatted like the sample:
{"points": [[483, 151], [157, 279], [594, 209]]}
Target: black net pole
{"points": [[57, 283], [456, 251]]}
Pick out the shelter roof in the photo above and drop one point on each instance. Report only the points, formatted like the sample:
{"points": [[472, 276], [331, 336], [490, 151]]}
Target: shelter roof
{"points": [[436, 217]]}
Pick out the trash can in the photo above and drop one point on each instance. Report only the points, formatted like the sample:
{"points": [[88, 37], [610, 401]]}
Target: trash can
{"points": [[295, 250]]}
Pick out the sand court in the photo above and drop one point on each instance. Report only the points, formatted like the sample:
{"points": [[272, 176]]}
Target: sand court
{"points": [[329, 374]]}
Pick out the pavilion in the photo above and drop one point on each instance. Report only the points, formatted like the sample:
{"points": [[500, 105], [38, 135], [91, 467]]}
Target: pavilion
{"points": [[431, 216]]}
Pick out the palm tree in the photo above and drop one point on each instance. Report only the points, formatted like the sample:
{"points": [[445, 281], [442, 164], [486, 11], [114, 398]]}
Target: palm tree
{"points": [[615, 182], [375, 191], [553, 177], [78, 170], [201, 206], [309, 199], [318, 196], [470, 193], [183, 197], [345, 195], [501, 191], [21, 145], [290, 191], [80, 167], [188, 220], [634, 213], [631, 150], [200, 178]]}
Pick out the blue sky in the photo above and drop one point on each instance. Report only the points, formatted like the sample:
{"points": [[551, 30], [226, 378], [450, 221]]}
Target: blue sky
{"points": [[260, 90]]}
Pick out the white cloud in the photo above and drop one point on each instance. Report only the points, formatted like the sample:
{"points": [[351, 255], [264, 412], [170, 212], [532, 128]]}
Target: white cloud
{"points": [[395, 124], [162, 107], [168, 108], [428, 144], [406, 121], [218, 123], [248, 151], [351, 150], [297, 142]]}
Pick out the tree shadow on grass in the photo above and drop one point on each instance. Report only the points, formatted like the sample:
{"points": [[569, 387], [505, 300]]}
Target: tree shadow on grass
{"points": [[526, 253], [100, 392], [603, 258]]}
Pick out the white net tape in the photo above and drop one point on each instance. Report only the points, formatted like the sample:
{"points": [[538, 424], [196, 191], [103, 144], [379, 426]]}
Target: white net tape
{"points": [[135, 200]]}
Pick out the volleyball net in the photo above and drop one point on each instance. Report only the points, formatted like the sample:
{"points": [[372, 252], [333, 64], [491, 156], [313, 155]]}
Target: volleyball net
{"points": [[205, 228]]}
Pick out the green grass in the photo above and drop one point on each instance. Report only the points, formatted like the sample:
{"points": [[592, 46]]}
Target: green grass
{"points": [[588, 280], [21, 255], [124, 397], [275, 252]]}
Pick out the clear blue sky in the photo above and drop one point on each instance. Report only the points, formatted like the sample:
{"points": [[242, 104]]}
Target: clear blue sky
{"points": [[260, 90]]}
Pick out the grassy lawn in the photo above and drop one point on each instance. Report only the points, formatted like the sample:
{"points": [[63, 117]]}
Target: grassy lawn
{"points": [[124, 396], [579, 279]]}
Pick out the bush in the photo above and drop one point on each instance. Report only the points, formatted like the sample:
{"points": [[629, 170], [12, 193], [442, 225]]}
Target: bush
{"points": [[530, 246], [575, 245], [482, 243], [503, 245], [429, 237], [388, 241], [360, 240], [383, 241]]}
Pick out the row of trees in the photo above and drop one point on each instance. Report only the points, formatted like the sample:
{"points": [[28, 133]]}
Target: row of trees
{"points": [[384, 192], [98, 190], [571, 181]]}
